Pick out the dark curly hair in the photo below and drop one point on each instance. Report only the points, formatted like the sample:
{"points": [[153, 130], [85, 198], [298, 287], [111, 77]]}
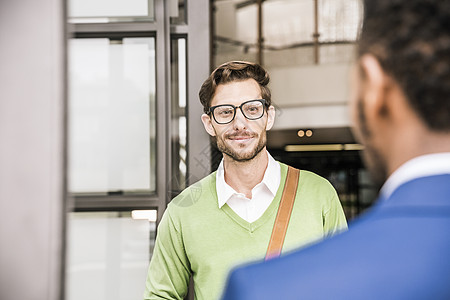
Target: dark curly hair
{"points": [[411, 40], [234, 71]]}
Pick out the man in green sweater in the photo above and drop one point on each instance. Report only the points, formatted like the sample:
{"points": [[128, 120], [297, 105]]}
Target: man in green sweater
{"points": [[227, 218]]}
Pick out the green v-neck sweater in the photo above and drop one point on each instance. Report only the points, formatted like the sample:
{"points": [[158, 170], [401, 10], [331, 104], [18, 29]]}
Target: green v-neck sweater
{"points": [[196, 237]]}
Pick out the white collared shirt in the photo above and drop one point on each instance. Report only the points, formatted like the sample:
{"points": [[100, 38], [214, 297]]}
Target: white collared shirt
{"points": [[262, 194], [421, 166]]}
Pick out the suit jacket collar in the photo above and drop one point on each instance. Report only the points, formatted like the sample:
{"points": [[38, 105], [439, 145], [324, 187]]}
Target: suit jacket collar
{"points": [[429, 191], [421, 166]]}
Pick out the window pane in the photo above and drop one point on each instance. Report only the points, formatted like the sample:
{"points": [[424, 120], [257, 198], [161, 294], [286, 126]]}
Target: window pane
{"points": [[110, 11], [288, 28], [339, 20], [179, 121], [108, 255], [112, 115], [235, 33], [288, 22]]}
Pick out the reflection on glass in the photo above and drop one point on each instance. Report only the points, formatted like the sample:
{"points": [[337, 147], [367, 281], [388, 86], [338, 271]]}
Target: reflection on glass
{"points": [[287, 23], [104, 11], [112, 115], [226, 50], [179, 121], [108, 255], [339, 20], [288, 27]]}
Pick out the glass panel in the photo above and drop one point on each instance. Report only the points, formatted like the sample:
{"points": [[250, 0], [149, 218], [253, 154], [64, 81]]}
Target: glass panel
{"points": [[337, 53], [227, 50], [104, 11], [339, 20], [288, 27], [287, 22], [108, 255], [178, 109], [287, 30], [178, 12], [231, 41], [112, 115], [304, 55]]}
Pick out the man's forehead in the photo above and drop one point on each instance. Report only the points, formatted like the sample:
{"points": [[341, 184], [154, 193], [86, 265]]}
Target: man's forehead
{"points": [[236, 92]]}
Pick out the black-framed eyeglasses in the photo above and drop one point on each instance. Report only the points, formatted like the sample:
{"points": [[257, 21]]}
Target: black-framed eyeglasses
{"points": [[225, 113]]}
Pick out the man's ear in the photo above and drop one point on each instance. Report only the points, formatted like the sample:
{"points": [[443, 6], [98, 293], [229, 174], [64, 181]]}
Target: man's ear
{"points": [[270, 117], [375, 85], [207, 123]]}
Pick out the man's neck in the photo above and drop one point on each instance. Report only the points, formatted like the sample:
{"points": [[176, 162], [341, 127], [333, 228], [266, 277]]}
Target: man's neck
{"points": [[415, 143], [244, 176]]}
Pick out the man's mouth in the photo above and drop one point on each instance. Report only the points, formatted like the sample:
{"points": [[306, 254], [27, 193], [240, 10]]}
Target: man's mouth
{"points": [[240, 137]]}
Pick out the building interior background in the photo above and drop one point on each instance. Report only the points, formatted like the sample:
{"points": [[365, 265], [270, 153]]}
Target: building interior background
{"points": [[134, 136]]}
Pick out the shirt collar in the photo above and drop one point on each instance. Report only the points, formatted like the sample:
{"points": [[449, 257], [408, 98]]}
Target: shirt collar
{"points": [[272, 176], [421, 166], [271, 180]]}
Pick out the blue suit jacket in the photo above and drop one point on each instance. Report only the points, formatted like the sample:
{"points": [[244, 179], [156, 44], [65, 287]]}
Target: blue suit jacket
{"points": [[400, 249]]}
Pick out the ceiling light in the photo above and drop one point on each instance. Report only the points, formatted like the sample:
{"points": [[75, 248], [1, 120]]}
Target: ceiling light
{"points": [[323, 147], [144, 215]]}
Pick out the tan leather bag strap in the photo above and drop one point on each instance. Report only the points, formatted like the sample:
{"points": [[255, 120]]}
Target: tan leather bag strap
{"points": [[284, 213]]}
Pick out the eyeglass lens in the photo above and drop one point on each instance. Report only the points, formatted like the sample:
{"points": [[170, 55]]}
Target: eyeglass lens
{"points": [[252, 110]]}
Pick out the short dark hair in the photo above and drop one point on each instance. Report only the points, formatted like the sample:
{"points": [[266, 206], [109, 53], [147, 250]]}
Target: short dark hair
{"points": [[411, 41], [234, 71]]}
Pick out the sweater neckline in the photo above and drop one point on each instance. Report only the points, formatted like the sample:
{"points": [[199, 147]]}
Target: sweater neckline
{"points": [[267, 215]]}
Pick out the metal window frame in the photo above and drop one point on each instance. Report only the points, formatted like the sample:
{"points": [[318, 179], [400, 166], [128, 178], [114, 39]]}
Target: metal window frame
{"points": [[34, 163], [197, 34]]}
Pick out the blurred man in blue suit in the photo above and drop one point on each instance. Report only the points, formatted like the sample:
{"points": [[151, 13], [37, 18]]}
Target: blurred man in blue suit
{"points": [[401, 109]]}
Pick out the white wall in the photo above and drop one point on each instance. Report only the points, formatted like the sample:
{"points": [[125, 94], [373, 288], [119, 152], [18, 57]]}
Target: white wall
{"points": [[310, 85], [32, 127], [311, 96]]}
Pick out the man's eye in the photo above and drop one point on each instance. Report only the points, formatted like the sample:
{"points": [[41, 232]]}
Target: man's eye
{"points": [[225, 112], [254, 109]]}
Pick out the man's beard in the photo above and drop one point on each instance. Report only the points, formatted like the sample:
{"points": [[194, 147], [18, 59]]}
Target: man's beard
{"points": [[239, 156], [373, 160]]}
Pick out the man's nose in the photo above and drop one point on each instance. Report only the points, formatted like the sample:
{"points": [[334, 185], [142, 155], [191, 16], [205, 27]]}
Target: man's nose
{"points": [[239, 120]]}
